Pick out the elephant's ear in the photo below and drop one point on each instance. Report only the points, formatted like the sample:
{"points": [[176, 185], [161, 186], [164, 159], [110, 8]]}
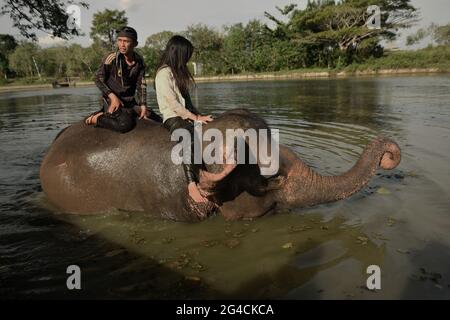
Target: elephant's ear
{"points": [[208, 181]]}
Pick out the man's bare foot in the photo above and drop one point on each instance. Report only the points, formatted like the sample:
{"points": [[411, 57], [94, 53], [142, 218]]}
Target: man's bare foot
{"points": [[92, 119], [195, 194]]}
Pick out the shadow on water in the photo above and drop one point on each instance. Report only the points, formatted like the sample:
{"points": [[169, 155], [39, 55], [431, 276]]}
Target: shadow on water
{"points": [[268, 258], [430, 278], [137, 257], [37, 247]]}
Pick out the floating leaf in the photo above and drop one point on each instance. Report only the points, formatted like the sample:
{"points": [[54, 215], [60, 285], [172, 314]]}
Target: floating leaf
{"points": [[362, 240], [197, 266], [238, 234], [412, 174], [383, 191], [192, 278], [209, 243], [232, 243], [287, 245], [167, 240], [391, 222], [180, 263], [293, 229]]}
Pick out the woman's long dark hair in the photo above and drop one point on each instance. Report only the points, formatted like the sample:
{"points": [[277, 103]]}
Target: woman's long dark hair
{"points": [[176, 55]]}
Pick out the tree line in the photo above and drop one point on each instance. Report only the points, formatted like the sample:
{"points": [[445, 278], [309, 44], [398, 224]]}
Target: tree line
{"points": [[325, 34]]}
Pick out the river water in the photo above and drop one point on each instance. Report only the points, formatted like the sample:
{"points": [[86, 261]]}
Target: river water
{"points": [[399, 222]]}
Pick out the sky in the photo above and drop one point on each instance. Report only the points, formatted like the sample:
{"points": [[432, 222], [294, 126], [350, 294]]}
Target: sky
{"points": [[152, 16]]}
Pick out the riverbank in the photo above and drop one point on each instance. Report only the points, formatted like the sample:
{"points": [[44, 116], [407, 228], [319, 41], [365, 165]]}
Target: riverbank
{"points": [[280, 75], [38, 86], [307, 74]]}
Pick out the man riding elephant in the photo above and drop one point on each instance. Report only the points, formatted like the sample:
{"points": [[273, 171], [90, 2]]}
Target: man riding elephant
{"points": [[120, 77]]}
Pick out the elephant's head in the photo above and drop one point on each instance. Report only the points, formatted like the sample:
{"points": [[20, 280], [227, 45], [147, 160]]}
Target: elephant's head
{"points": [[241, 191]]}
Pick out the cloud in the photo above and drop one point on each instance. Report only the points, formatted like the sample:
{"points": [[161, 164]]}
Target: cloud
{"points": [[129, 4], [50, 41]]}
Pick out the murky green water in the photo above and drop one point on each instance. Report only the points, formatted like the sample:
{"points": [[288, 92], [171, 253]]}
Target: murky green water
{"points": [[400, 222]]}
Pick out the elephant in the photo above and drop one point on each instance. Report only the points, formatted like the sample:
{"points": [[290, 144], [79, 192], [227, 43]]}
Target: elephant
{"points": [[89, 170]]}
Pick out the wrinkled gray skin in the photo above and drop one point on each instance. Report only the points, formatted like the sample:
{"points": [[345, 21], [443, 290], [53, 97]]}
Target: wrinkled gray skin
{"points": [[89, 170]]}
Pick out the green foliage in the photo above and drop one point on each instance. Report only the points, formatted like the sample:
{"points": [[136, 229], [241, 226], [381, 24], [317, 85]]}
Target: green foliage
{"points": [[158, 41], [105, 25], [442, 34], [244, 46], [431, 57], [21, 60], [154, 46], [48, 16], [208, 46], [7, 45], [439, 34]]}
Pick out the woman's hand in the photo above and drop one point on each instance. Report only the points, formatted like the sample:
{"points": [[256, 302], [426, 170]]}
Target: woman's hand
{"points": [[204, 119], [143, 114]]}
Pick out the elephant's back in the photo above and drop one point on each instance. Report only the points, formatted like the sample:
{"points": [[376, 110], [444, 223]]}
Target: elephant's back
{"points": [[89, 137], [89, 169]]}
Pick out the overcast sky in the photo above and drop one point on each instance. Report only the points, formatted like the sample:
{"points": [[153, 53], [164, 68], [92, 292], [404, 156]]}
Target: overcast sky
{"points": [[152, 16]]}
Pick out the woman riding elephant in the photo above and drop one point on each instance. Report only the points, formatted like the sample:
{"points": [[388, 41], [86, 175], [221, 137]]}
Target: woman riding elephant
{"points": [[172, 83]]}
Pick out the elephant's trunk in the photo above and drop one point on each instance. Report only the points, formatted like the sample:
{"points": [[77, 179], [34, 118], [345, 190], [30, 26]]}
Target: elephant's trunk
{"points": [[305, 187]]}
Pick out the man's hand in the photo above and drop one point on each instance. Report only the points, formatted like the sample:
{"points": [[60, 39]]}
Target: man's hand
{"points": [[115, 103], [204, 119], [143, 114]]}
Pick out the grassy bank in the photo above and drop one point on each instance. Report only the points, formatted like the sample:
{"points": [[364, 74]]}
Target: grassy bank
{"points": [[428, 58], [27, 84]]}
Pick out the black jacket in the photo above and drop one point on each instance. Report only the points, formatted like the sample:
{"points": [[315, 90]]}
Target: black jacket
{"points": [[114, 75]]}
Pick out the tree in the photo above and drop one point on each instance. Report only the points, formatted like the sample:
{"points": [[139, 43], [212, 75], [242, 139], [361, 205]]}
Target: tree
{"points": [[327, 26], [418, 36], [24, 60], [248, 47], [234, 49], [442, 35], [7, 45], [208, 45], [92, 57], [153, 48], [48, 16], [158, 41], [105, 25], [439, 34]]}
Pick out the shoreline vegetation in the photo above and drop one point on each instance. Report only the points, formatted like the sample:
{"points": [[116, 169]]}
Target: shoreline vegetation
{"points": [[430, 60], [279, 75]]}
